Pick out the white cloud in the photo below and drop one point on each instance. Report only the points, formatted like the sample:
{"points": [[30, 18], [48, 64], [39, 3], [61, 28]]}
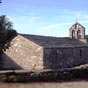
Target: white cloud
{"points": [[25, 24], [77, 14], [84, 21], [32, 23], [52, 26]]}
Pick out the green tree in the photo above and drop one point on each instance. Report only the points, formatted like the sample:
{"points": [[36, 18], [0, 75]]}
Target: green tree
{"points": [[6, 33]]}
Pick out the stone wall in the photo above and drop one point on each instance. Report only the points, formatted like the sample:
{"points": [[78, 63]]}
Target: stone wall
{"points": [[34, 53], [55, 58], [23, 54]]}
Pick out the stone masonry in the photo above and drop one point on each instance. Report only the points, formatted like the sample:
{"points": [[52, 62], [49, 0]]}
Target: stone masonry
{"points": [[32, 52], [23, 54], [77, 31], [58, 58]]}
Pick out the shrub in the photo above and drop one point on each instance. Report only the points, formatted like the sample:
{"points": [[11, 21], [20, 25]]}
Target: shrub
{"points": [[12, 78], [3, 78]]}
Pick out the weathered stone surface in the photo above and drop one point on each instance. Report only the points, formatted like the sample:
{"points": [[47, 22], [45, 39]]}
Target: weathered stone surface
{"points": [[56, 58], [42, 52], [23, 54], [77, 31], [28, 52]]}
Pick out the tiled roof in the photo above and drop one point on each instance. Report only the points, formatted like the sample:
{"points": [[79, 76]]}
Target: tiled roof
{"points": [[47, 41]]}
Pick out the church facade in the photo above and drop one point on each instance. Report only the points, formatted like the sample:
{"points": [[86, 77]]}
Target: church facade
{"points": [[32, 52]]}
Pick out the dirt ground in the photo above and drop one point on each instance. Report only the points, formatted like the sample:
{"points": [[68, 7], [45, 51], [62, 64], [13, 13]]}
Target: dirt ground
{"points": [[73, 84]]}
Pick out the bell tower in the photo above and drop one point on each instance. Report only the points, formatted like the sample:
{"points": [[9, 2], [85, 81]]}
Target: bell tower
{"points": [[77, 31]]}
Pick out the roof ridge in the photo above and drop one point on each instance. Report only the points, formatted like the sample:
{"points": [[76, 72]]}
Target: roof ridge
{"points": [[42, 36]]}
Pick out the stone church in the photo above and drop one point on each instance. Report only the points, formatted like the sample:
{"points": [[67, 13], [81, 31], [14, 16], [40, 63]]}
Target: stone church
{"points": [[29, 52]]}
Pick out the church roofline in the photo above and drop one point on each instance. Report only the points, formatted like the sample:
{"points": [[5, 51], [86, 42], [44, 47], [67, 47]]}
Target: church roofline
{"points": [[76, 24]]}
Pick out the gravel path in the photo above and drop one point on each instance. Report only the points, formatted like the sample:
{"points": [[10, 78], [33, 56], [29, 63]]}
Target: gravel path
{"points": [[78, 84]]}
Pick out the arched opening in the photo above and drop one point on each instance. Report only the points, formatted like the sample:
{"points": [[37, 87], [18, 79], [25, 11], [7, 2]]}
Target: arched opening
{"points": [[79, 34], [73, 34]]}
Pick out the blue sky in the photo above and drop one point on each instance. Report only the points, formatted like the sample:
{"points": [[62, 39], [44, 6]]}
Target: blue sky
{"points": [[45, 17]]}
